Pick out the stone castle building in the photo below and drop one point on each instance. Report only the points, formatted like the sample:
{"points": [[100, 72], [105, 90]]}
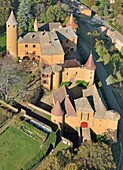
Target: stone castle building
{"points": [[50, 43], [83, 113]]}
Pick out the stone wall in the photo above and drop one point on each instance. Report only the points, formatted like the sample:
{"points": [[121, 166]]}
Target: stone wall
{"points": [[40, 110]]}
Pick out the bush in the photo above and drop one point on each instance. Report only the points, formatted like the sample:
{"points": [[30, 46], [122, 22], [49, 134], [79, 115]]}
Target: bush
{"points": [[67, 84], [81, 82]]}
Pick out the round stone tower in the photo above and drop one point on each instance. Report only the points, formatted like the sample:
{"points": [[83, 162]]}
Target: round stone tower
{"points": [[89, 70], [56, 76], [12, 35]]}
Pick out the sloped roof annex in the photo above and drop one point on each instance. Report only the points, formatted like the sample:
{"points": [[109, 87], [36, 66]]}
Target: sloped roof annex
{"points": [[70, 111], [57, 110], [71, 63], [60, 94], [82, 104]]}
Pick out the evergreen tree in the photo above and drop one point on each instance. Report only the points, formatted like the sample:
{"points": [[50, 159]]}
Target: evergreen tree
{"points": [[105, 11], [24, 14], [5, 7]]}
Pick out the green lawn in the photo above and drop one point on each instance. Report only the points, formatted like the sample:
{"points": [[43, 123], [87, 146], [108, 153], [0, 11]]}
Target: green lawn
{"points": [[2, 42], [60, 147], [16, 148]]}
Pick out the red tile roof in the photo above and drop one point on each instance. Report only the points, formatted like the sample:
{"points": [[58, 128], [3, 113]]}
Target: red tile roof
{"points": [[90, 64], [57, 110], [71, 22], [60, 94], [71, 63], [12, 19], [70, 111]]}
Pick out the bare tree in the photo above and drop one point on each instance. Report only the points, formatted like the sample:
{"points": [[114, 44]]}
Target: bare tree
{"points": [[12, 80]]}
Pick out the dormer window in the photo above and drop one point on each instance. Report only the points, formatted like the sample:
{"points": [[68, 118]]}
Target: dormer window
{"points": [[33, 36]]}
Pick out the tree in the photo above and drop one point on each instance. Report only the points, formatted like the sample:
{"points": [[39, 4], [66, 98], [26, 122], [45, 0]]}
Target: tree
{"points": [[5, 7], [94, 156], [105, 11], [118, 7], [90, 156], [12, 80], [24, 14], [121, 51], [54, 14], [90, 3]]}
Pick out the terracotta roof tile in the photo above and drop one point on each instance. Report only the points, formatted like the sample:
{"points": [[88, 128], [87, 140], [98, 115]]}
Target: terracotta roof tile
{"points": [[12, 20], [70, 111], [90, 63], [82, 104], [57, 110], [71, 22], [71, 63], [60, 94]]}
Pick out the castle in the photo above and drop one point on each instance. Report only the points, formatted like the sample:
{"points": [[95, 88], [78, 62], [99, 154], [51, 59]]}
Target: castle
{"points": [[84, 113], [56, 49], [50, 44]]}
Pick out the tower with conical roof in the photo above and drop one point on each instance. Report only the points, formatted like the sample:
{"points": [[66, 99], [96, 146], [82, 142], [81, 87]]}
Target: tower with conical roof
{"points": [[71, 23], [57, 115], [12, 35], [90, 69]]}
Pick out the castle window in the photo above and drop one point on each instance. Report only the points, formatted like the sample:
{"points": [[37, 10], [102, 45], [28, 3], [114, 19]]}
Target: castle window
{"points": [[71, 49], [90, 77], [45, 75], [8, 25], [33, 52], [26, 45], [13, 26], [67, 41], [54, 120], [66, 73], [26, 52], [44, 82], [76, 72], [34, 46], [38, 56]]}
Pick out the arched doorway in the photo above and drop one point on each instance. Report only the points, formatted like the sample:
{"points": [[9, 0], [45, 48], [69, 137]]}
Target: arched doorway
{"points": [[84, 125], [26, 58]]}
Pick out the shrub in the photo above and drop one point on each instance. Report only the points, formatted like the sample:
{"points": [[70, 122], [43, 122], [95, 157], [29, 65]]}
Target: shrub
{"points": [[67, 84], [81, 82]]}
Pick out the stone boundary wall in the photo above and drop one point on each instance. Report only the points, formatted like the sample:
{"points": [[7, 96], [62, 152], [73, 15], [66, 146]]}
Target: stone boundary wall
{"points": [[9, 106], [40, 110]]}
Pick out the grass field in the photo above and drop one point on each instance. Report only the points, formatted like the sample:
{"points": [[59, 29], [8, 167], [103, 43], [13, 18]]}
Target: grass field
{"points": [[60, 147], [2, 42], [16, 148]]}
